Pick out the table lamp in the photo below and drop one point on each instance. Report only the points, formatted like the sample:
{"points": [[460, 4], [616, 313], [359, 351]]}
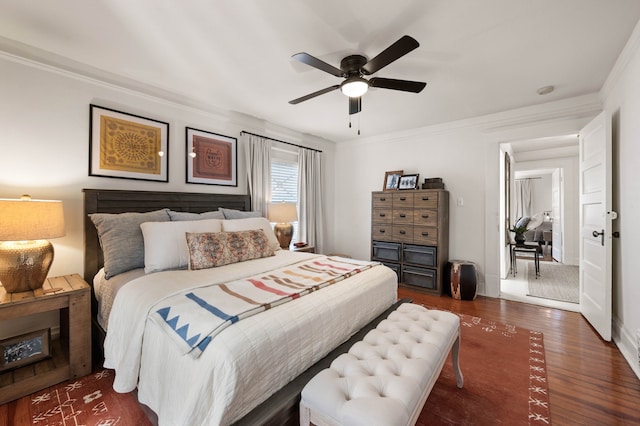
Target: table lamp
{"points": [[25, 253], [283, 214]]}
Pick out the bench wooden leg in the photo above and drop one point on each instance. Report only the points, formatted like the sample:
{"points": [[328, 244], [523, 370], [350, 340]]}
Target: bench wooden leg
{"points": [[455, 352]]}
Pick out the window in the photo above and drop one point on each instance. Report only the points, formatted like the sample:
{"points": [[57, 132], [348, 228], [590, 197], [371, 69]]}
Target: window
{"points": [[284, 179]]}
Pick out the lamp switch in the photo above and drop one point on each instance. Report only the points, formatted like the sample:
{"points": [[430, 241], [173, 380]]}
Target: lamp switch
{"points": [[460, 201]]}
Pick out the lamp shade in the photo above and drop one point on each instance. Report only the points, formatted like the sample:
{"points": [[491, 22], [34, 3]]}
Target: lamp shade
{"points": [[282, 212], [26, 219]]}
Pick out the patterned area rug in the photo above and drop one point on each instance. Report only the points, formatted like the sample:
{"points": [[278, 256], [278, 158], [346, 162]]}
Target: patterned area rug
{"points": [[556, 282], [505, 379], [89, 401]]}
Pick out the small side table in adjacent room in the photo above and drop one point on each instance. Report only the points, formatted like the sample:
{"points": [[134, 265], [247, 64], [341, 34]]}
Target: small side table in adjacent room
{"points": [[525, 248]]}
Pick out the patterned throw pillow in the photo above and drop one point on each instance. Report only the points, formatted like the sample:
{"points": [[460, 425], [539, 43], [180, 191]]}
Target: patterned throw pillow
{"points": [[208, 250]]}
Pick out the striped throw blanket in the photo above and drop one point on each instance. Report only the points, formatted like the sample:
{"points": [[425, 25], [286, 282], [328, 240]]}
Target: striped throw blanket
{"points": [[192, 319]]}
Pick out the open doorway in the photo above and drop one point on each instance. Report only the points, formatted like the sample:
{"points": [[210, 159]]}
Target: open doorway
{"points": [[543, 187]]}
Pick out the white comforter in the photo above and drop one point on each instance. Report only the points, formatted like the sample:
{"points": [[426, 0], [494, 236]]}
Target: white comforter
{"points": [[245, 363]]}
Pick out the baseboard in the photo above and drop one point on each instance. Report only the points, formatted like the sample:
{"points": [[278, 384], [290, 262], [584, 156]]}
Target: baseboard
{"points": [[627, 344]]}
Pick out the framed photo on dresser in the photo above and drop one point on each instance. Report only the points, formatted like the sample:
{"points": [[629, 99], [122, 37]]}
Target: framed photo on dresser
{"points": [[408, 182], [391, 180]]}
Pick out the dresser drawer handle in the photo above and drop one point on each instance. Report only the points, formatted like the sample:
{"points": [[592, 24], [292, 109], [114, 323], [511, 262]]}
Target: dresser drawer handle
{"points": [[425, 216], [383, 199], [403, 198], [382, 231], [402, 232], [402, 215], [382, 214], [425, 198], [425, 234]]}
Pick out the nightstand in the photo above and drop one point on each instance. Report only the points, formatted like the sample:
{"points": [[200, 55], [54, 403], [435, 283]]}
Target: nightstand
{"points": [[306, 249], [70, 296]]}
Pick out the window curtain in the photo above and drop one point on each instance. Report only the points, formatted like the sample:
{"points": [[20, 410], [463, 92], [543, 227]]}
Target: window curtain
{"points": [[523, 198], [258, 160], [311, 218]]}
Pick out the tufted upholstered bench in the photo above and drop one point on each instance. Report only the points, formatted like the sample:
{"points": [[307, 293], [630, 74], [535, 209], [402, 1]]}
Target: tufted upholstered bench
{"points": [[386, 378]]}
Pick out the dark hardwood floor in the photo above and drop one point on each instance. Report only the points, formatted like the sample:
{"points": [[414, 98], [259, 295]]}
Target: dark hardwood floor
{"points": [[590, 383]]}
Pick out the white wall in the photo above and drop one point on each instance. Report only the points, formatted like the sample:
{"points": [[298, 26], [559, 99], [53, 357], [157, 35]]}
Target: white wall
{"points": [[622, 103], [44, 117]]}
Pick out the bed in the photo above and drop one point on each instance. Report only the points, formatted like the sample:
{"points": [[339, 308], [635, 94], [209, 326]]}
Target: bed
{"points": [[252, 371]]}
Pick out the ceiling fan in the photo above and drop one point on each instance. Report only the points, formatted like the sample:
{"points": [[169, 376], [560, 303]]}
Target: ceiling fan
{"points": [[353, 68]]}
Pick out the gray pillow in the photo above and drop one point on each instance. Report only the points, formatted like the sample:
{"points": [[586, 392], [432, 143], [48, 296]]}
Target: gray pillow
{"points": [[121, 239], [238, 214], [180, 216]]}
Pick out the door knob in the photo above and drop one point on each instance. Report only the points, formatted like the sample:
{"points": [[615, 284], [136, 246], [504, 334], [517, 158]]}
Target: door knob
{"points": [[601, 234]]}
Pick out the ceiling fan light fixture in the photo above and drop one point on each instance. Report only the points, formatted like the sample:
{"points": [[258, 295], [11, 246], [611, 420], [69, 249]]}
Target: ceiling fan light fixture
{"points": [[354, 87]]}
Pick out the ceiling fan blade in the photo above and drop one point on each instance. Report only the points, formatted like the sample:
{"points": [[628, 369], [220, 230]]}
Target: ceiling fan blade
{"points": [[305, 58], [403, 85], [397, 50], [314, 94], [355, 105]]}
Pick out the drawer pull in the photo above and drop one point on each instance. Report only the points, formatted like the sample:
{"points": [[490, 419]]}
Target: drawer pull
{"points": [[382, 231], [402, 215], [403, 198], [425, 216], [402, 232], [382, 214], [425, 198], [383, 199], [425, 234]]}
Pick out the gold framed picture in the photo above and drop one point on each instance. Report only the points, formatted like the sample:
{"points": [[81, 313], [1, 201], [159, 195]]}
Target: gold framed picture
{"points": [[25, 349], [127, 146], [391, 180], [212, 159]]}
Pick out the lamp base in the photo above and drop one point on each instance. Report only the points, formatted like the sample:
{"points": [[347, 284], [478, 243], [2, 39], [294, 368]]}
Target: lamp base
{"points": [[24, 265], [284, 233]]}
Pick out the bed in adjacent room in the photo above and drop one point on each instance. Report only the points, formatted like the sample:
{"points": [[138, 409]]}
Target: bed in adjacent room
{"points": [[233, 365]]}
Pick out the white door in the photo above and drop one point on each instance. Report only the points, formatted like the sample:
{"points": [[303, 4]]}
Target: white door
{"points": [[556, 216], [595, 224]]}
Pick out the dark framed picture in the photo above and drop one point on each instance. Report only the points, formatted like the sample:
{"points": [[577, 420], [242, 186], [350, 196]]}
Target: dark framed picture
{"points": [[127, 146], [408, 182], [25, 349], [212, 159], [391, 180]]}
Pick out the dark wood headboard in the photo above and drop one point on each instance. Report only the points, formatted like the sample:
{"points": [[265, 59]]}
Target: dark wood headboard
{"points": [[118, 201]]}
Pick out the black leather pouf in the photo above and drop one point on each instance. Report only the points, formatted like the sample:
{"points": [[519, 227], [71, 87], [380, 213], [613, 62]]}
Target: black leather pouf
{"points": [[464, 280]]}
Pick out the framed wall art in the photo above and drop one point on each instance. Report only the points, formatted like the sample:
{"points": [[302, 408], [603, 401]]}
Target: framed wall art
{"points": [[25, 349], [408, 182], [212, 159], [391, 180], [127, 146]]}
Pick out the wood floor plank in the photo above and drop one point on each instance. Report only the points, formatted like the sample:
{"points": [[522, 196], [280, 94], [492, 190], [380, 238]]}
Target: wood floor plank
{"points": [[590, 382]]}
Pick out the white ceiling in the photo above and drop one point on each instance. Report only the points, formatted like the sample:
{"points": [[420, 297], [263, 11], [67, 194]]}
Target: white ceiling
{"points": [[477, 56]]}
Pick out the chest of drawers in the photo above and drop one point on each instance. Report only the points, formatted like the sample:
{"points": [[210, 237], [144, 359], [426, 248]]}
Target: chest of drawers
{"points": [[410, 234]]}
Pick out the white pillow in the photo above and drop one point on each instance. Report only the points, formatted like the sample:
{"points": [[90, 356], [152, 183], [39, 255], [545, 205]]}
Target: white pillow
{"points": [[251, 223], [165, 243]]}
